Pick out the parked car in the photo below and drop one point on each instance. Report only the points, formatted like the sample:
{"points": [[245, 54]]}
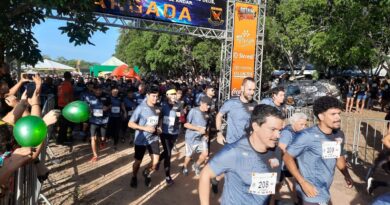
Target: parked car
{"points": [[305, 92]]}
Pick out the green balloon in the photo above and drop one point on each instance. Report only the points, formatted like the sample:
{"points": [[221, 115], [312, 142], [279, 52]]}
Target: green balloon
{"points": [[77, 111], [30, 131]]}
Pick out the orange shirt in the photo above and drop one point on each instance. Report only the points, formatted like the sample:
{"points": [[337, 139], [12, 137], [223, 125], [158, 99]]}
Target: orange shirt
{"points": [[65, 93]]}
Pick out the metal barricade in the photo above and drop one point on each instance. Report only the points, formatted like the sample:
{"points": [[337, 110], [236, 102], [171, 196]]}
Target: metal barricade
{"points": [[26, 186]]}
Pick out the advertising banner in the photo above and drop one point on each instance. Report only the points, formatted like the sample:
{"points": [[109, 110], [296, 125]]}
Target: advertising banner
{"points": [[200, 13], [244, 45]]}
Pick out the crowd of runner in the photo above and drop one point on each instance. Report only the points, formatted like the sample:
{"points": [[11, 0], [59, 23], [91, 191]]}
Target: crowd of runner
{"points": [[259, 151]]}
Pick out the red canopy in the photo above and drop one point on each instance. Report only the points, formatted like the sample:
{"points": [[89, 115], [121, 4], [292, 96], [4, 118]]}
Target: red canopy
{"points": [[125, 71]]}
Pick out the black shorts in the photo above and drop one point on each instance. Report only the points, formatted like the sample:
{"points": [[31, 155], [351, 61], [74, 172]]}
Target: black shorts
{"points": [[139, 150], [94, 129]]}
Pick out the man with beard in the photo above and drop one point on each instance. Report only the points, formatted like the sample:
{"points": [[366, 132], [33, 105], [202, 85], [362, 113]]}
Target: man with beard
{"points": [[238, 111], [251, 164], [318, 150]]}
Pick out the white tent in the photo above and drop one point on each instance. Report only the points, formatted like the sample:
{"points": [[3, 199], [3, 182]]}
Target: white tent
{"points": [[114, 61], [49, 65]]}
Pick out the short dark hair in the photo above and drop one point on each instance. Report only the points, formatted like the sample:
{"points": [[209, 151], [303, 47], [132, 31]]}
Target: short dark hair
{"points": [[325, 103], [67, 75], [250, 79], [152, 89], [262, 111], [276, 90]]}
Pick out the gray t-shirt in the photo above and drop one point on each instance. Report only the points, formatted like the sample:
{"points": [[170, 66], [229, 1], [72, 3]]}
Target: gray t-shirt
{"points": [[145, 116], [317, 154], [197, 118], [238, 118], [242, 166], [269, 101]]}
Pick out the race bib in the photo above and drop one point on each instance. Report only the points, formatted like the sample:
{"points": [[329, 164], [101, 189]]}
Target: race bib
{"points": [[331, 149], [263, 183], [170, 121], [152, 121], [98, 112], [115, 110], [129, 113]]}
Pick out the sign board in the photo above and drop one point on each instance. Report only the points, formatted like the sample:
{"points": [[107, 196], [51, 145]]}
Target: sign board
{"points": [[244, 45], [199, 13]]}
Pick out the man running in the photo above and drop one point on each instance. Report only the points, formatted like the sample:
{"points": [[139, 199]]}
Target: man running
{"points": [[196, 137], [238, 111], [251, 164], [276, 99], [145, 120], [318, 150]]}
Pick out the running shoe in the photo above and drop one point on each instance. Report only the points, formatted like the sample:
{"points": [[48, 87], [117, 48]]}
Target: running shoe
{"points": [[133, 182]]}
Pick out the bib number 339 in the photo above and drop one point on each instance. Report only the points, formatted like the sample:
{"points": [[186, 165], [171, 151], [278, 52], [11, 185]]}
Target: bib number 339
{"points": [[263, 183], [331, 150]]}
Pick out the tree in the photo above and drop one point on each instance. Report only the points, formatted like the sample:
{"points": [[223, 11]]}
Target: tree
{"points": [[18, 17], [167, 54]]}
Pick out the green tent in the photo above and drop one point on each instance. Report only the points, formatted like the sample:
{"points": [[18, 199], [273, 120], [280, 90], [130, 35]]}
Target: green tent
{"points": [[96, 69]]}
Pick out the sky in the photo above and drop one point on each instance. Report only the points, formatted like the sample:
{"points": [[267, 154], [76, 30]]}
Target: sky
{"points": [[54, 44]]}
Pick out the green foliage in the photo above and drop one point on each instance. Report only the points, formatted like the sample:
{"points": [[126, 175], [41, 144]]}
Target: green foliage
{"points": [[18, 17], [333, 34], [167, 54]]}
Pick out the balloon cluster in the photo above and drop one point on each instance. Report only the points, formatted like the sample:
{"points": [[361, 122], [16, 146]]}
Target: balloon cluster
{"points": [[30, 131]]}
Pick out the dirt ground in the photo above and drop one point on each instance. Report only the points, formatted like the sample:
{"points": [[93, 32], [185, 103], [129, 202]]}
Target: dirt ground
{"points": [[75, 180]]}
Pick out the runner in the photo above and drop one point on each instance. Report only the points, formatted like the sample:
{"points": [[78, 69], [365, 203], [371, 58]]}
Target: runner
{"points": [[251, 164], [145, 120], [276, 99], [318, 150], [196, 136], [382, 161], [130, 105], [238, 111], [100, 105], [298, 122], [170, 124], [116, 112]]}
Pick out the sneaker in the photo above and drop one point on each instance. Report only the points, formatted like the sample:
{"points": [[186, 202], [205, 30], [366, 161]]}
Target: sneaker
{"points": [[133, 182], [185, 171], [214, 185], [148, 179], [370, 185], [196, 169], [169, 181]]}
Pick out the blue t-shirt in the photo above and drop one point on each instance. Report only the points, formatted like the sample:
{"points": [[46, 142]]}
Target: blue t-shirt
{"points": [[382, 200], [269, 101], [96, 103], [309, 148], [139, 98], [238, 118], [197, 118], [239, 161], [116, 103], [287, 135], [145, 116], [130, 105], [170, 117]]}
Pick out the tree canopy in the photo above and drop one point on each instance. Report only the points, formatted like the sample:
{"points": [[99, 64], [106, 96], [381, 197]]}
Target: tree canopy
{"points": [[166, 53], [330, 34], [18, 17]]}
